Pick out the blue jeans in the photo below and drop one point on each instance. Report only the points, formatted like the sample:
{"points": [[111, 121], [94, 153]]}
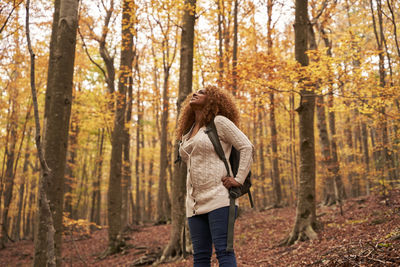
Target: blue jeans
{"points": [[206, 230]]}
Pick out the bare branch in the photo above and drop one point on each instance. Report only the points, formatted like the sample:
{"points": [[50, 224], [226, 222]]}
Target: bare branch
{"points": [[9, 15], [89, 56]]}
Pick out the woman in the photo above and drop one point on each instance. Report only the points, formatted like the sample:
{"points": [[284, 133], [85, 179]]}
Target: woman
{"points": [[207, 198]]}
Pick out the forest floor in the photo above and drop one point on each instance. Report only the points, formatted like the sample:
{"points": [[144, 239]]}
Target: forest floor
{"points": [[368, 234]]}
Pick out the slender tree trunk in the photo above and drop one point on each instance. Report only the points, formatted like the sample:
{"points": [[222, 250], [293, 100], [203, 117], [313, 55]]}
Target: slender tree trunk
{"points": [[21, 189], [82, 184], [96, 197], [9, 173], [334, 165], [176, 246], [235, 48], [115, 241], [261, 157], [329, 191], [30, 221], [163, 200], [163, 213], [70, 179], [293, 154], [220, 3], [127, 173], [364, 134], [149, 200], [137, 160], [276, 183]]}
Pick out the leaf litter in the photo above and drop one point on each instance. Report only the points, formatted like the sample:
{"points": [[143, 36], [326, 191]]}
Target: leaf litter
{"points": [[368, 234]]}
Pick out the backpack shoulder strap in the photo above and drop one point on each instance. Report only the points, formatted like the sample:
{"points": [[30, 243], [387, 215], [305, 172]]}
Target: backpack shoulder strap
{"points": [[212, 133]]}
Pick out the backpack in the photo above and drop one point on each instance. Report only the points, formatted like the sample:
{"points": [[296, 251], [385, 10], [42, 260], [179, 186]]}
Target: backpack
{"points": [[234, 159], [234, 192]]}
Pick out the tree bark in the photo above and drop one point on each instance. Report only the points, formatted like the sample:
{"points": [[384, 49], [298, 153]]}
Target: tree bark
{"points": [[115, 241], [163, 203], [306, 221], [70, 178], [57, 120], [329, 190], [293, 153], [127, 172], [261, 157], [21, 189], [137, 159], [10, 160], [220, 3], [276, 183], [96, 196], [176, 246], [235, 48]]}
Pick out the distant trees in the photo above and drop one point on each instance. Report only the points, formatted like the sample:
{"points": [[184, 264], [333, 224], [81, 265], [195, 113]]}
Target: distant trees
{"points": [[353, 71]]}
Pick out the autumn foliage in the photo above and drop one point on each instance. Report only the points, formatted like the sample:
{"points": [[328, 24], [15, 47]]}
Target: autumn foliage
{"points": [[353, 69]]}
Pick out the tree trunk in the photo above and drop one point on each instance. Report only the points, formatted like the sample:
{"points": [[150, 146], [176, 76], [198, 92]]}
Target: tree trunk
{"points": [[57, 114], [329, 190], [127, 173], [276, 183], [81, 192], [364, 134], [334, 165], [220, 3], [115, 241], [163, 202], [293, 153], [306, 208], [57, 121], [137, 214], [21, 189], [385, 156], [32, 202], [96, 197], [176, 246], [235, 48], [70, 179], [261, 157], [10, 160]]}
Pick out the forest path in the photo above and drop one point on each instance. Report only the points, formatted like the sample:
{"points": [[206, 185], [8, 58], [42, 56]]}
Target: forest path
{"points": [[367, 235]]}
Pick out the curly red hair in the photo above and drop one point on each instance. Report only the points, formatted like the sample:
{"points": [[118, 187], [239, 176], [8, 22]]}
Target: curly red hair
{"points": [[219, 102]]}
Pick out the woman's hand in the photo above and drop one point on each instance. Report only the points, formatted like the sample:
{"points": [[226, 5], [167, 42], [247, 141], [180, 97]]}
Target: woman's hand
{"points": [[229, 182]]}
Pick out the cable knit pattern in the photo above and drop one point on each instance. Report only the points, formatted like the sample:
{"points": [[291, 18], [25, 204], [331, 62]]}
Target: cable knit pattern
{"points": [[205, 191]]}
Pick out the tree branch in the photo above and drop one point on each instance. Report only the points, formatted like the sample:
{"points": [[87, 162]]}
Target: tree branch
{"points": [[51, 258]]}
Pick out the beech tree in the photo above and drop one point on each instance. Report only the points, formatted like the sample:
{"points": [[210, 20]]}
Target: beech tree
{"points": [[176, 245], [305, 224], [114, 212], [56, 124]]}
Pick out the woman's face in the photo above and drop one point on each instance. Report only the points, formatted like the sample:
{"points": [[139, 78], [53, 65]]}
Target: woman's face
{"points": [[199, 99]]}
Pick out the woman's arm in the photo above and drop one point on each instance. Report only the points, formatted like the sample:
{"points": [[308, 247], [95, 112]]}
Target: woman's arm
{"points": [[230, 133]]}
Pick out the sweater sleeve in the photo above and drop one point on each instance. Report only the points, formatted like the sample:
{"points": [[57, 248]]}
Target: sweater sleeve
{"points": [[230, 133]]}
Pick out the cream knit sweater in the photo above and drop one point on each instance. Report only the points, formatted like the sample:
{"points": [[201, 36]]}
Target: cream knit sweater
{"points": [[204, 189]]}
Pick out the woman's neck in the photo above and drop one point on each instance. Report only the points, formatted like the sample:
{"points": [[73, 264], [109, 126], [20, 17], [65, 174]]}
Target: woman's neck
{"points": [[198, 117]]}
